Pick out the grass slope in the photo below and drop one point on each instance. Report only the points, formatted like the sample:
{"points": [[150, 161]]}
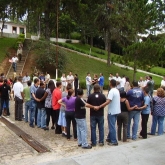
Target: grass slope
{"points": [[96, 52], [81, 65], [5, 44]]}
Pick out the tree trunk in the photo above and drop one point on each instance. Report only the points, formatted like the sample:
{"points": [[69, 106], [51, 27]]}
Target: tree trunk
{"points": [[47, 25], [109, 53], [134, 69], [39, 26], [91, 41], [106, 40], [3, 23]]}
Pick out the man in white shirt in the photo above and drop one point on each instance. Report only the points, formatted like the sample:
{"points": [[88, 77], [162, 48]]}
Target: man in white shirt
{"points": [[19, 53], [70, 78], [64, 83], [141, 83], [14, 63], [25, 79], [47, 78], [113, 102], [145, 81], [88, 83], [122, 83], [163, 84], [19, 97], [118, 81]]}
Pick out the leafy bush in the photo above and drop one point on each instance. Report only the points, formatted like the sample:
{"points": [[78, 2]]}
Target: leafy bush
{"points": [[75, 35], [100, 52]]}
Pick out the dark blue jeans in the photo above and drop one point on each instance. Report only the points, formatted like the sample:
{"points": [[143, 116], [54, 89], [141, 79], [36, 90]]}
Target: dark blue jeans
{"points": [[6, 102], [94, 120]]}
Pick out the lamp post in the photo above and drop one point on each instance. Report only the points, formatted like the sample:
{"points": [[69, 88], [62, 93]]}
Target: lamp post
{"points": [[57, 8]]}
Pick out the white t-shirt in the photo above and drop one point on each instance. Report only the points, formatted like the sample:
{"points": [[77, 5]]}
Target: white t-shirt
{"points": [[70, 78], [47, 78], [15, 59], [141, 84], [145, 83], [110, 78], [25, 80], [88, 80], [119, 80], [63, 80], [114, 105], [18, 88], [122, 83], [163, 83]]}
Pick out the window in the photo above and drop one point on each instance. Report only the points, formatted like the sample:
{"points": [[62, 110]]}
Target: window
{"points": [[5, 27]]}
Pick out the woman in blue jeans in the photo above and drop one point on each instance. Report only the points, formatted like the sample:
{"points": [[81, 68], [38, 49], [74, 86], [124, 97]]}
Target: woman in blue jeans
{"points": [[158, 112]]}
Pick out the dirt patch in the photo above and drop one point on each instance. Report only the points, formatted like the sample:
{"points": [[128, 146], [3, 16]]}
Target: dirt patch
{"points": [[5, 65], [30, 64]]}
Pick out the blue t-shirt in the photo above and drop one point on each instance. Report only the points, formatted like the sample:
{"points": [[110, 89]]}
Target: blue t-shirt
{"points": [[33, 90], [147, 101], [101, 81], [135, 96]]}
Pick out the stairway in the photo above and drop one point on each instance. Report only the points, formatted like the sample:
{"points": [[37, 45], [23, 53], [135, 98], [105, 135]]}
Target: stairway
{"points": [[20, 65]]}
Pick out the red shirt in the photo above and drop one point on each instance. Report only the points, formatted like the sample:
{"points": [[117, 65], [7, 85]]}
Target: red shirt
{"points": [[57, 95]]}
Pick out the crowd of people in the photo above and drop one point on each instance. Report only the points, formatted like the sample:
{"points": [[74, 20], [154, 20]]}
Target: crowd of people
{"points": [[63, 102]]}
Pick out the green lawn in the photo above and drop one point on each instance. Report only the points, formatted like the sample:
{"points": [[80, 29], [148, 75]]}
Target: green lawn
{"points": [[5, 44], [158, 70], [81, 65]]}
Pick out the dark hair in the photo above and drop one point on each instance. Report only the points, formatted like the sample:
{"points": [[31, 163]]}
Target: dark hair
{"points": [[127, 79], [69, 86], [5, 81], [29, 83], [135, 83], [113, 82], [146, 90], [96, 88], [80, 92], [122, 94], [70, 92], [20, 78], [51, 85], [150, 77], [58, 83], [36, 80], [41, 83], [76, 75]]}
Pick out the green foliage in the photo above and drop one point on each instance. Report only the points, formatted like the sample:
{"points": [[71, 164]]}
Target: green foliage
{"points": [[75, 35], [68, 41], [5, 45], [47, 57]]}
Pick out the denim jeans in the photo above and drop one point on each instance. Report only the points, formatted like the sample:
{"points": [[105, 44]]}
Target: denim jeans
{"points": [[94, 120], [32, 112], [136, 116], [41, 118], [27, 108], [82, 132], [6, 102], [14, 65], [112, 128], [88, 89], [159, 120]]}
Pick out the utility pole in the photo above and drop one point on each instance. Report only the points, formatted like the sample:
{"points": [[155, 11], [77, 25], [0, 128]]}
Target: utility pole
{"points": [[57, 10]]}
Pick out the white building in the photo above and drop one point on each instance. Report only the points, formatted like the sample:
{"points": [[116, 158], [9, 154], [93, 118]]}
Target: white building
{"points": [[13, 29]]}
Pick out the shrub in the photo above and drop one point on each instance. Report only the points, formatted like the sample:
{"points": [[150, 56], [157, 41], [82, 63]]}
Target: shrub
{"points": [[75, 35], [68, 41], [100, 52]]}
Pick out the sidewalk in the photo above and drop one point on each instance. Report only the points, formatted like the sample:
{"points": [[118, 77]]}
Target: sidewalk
{"points": [[145, 152]]}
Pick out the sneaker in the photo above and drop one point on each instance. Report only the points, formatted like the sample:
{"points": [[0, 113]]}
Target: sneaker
{"points": [[64, 134], [107, 140], [87, 147], [79, 145], [113, 144], [31, 126], [46, 128], [93, 145], [101, 144], [52, 127]]}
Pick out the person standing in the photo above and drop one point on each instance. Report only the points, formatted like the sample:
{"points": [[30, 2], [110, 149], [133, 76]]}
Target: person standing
{"points": [[19, 97], [14, 63], [5, 96], [118, 81], [122, 118], [146, 109], [56, 95], [97, 117], [158, 112], [19, 53], [41, 116], [48, 103], [70, 78], [88, 83], [113, 102], [47, 79], [150, 85], [80, 116], [127, 85], [141, 83], [25, 79], [34, 100], [135, 96], [76, 82], [101, 82], [64, 83], [69, 103], [26, 92], [162, 85]]}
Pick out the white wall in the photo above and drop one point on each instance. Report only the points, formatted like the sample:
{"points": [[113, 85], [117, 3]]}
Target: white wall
{"points": [[63, 40]]}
